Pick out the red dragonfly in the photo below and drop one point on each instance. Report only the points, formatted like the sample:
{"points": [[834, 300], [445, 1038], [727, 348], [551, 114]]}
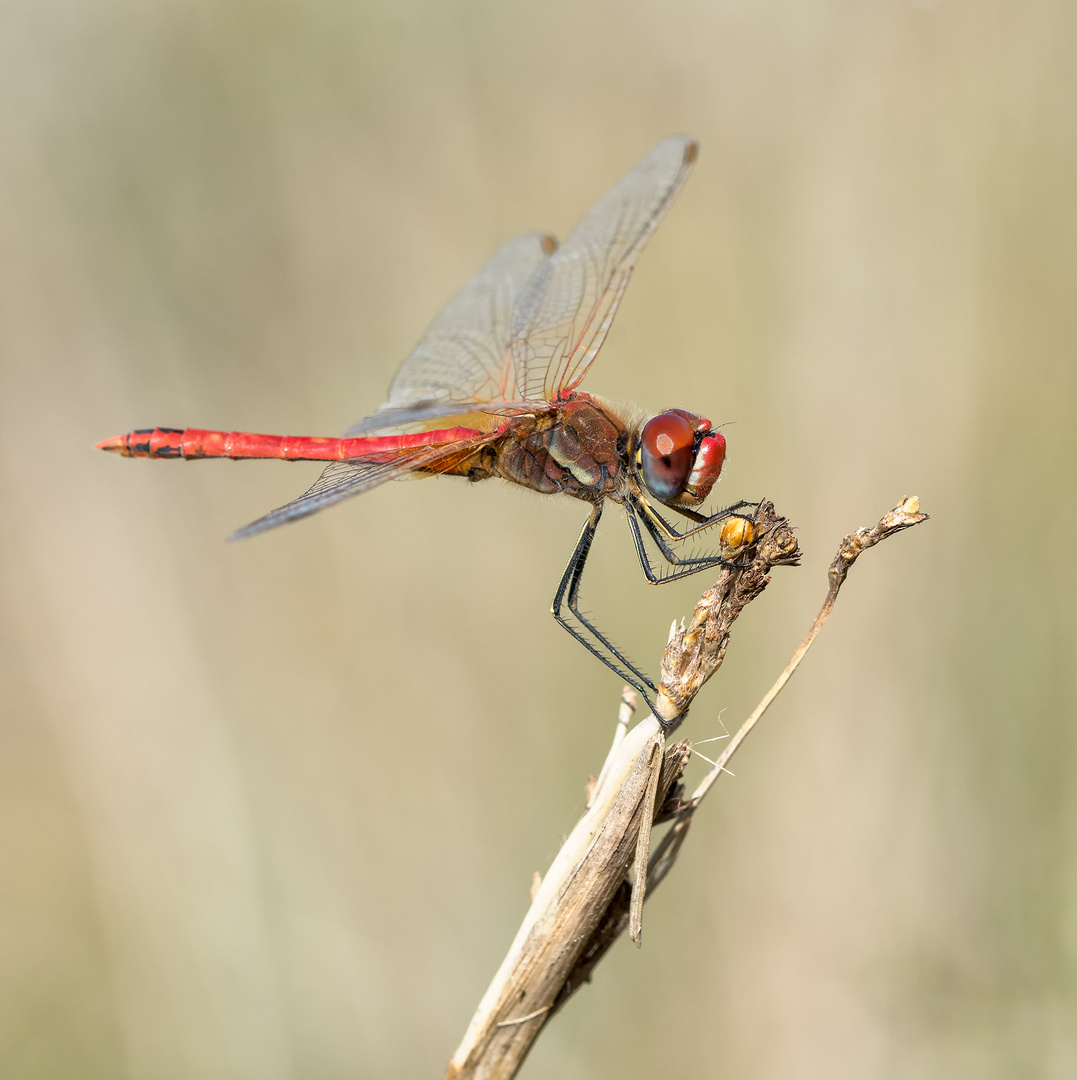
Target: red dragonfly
{"points": [[492, 390]]}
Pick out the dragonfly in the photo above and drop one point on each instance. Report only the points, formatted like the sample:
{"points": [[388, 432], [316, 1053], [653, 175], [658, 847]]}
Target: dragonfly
{"points": [[492, 390]]}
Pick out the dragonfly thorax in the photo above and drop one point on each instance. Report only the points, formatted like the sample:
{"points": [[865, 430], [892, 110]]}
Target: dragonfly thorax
{"points": [[576, 448]]}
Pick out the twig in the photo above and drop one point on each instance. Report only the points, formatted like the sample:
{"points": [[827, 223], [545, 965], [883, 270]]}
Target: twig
{"points": [[574, 898], [569, 903], [585, 902], [903, 516], [643, 845], [695, 653]]}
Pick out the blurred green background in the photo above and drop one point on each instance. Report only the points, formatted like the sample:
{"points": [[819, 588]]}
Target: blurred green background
{"points": [[271, 810]]}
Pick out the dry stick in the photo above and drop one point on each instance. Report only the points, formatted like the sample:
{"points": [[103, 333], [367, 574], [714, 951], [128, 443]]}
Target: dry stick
{"points": [[569, 902], [584, 902], [643, 845], [577, 891], [903, 516]]}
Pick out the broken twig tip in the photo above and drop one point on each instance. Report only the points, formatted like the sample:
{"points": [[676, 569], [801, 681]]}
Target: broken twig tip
{"points": [[906, 514]]}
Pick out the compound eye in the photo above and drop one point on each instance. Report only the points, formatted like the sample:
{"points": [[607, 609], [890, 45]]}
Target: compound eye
{"points": [[667, 445]]}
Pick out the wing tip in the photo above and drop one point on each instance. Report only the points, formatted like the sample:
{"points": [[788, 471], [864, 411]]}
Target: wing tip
{"points": [[267, 521]]}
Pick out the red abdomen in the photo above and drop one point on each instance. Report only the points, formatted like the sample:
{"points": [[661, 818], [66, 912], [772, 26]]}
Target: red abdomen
{"points": [[196, 443]]}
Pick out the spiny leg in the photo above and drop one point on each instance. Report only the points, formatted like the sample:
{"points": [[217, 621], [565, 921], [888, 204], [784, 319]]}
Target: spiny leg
{"points": [[570, 584], [567, 595], [661, 532], [573, 600], [679, 567], [702, 522]]}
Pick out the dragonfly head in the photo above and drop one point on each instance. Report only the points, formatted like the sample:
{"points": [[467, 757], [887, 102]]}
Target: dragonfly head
{"points": [[679, 457]]}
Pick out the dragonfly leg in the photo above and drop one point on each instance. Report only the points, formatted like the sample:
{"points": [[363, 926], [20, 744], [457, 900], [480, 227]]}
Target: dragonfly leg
{"points": [[661, 532], [702, 522], [566, 603], [679, 567]]}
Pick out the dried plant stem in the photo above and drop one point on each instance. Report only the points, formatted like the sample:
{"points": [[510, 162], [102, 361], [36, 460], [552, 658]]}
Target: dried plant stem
{"points": [[567, 906], [903, 516], [585, 900]]}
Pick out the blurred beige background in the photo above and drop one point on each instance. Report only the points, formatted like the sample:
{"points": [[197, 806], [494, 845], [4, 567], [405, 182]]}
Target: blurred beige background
{"points": [[271, 810]]}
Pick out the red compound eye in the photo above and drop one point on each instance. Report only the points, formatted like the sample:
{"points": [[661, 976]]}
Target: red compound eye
{"points": [[667, 443]]}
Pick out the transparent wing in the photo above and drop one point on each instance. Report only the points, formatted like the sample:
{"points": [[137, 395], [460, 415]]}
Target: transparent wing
{"points": [[565, 310], [464, 357], [342, 479]]}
